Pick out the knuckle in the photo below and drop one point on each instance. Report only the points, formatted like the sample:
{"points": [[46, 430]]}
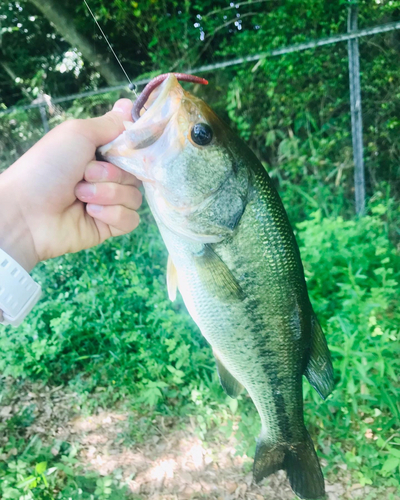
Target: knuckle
{"points": [[127, 221], [133, 197], [108, 192], [114, 174], [133, 221], [136, 220], [71, 126], [120, 213], [115, 121], [117, 232], [113, 191], [138, 197], [127, 178]]}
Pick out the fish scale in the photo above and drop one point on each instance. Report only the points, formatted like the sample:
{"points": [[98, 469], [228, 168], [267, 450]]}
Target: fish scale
{"points": [[234, 258]]}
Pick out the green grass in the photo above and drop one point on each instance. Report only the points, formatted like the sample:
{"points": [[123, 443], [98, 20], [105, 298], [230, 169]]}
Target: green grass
{"points": [[106, 329]]}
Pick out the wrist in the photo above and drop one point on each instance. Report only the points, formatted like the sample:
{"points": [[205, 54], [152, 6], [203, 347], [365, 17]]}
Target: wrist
{"points": [[15, 236]]}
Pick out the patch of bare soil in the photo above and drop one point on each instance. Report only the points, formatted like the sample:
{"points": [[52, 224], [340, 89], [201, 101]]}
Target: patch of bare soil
{"points": [[170, 463]]}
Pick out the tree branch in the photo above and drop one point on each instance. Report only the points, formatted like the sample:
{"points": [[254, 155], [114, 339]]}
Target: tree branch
{"points": [[63, 22]]}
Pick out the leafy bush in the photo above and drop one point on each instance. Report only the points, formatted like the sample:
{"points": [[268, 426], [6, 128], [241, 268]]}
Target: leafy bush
{"points": [[106, 322], [106, 319], [353, 275]]}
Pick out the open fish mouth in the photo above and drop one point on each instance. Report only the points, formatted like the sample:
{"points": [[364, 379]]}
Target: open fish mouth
{"points": [[135, 150], [156, 82]]}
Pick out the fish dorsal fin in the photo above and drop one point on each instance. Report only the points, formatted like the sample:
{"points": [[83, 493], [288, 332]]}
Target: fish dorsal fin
{"points": [[216, 275], [319, 370], [172, 279], [230, 385]]}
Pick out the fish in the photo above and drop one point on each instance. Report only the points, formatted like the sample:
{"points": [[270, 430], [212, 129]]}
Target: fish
{"points": [[234, 258]]}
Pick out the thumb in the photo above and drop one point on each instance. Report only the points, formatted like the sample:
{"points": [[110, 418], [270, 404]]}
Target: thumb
{"points": [[108, 127]]}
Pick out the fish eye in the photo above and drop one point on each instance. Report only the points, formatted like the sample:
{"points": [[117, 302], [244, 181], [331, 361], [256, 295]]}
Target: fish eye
{"points": [[201, 134]]}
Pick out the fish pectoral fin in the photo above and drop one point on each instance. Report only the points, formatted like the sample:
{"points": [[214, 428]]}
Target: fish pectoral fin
{"points": [[319, 370], [172, 279], [230, 385], [216, 275]]}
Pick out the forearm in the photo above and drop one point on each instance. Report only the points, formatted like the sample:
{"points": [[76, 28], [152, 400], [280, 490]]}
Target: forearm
{"points": [[15, 237]]}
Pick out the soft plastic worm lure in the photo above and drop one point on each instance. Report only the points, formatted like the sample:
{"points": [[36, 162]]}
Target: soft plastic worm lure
{"points": [[141, 100]]}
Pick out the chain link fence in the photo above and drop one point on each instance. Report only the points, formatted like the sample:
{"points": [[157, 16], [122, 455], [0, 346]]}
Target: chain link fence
{"points": [[46, 111]]}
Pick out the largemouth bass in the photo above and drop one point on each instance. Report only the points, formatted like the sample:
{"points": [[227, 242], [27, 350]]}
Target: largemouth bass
{"points": [[235, 260]]}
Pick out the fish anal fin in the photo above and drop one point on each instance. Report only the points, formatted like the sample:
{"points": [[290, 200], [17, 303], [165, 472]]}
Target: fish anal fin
{"points": [[230, 385], [172, 279], [216, 275], [319, 370]]}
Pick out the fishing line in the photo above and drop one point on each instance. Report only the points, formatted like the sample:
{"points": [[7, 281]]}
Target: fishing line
{"points": [[132, 86]]}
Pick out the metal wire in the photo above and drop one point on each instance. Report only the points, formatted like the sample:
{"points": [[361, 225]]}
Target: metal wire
{"points": [[232, 62], [301, 46]]}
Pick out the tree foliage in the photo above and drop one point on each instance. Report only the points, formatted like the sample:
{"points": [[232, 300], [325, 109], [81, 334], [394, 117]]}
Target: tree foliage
{"points": [[292, 109]]}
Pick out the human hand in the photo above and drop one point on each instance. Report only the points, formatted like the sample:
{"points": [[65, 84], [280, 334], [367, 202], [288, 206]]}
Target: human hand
{"points": [[57, 199]]}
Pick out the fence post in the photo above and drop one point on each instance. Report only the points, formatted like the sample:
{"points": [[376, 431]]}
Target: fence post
{"points": [[43, 116], [356, 115]]}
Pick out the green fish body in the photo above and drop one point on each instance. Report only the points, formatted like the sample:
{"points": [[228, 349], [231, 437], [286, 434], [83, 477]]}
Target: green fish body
{"points": [[235, 260]]}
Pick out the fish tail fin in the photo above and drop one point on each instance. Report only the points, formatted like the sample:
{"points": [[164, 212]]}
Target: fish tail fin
{"points": [[300, 462]]}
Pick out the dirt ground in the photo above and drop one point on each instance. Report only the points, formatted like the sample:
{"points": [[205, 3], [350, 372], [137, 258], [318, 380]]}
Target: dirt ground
{"points": [[171, 463]]}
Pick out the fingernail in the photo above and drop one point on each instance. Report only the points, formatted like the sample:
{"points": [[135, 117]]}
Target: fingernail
{"points": [[96, 172], [122, 106], [95, 208], [86, 190]]}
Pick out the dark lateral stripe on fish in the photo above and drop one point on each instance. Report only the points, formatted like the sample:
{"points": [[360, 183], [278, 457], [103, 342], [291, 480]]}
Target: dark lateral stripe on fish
{"points": [[270, 364]]}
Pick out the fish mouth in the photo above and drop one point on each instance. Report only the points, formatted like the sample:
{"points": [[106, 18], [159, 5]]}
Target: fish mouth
{"points": [[135, 150], [154, 83]]}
